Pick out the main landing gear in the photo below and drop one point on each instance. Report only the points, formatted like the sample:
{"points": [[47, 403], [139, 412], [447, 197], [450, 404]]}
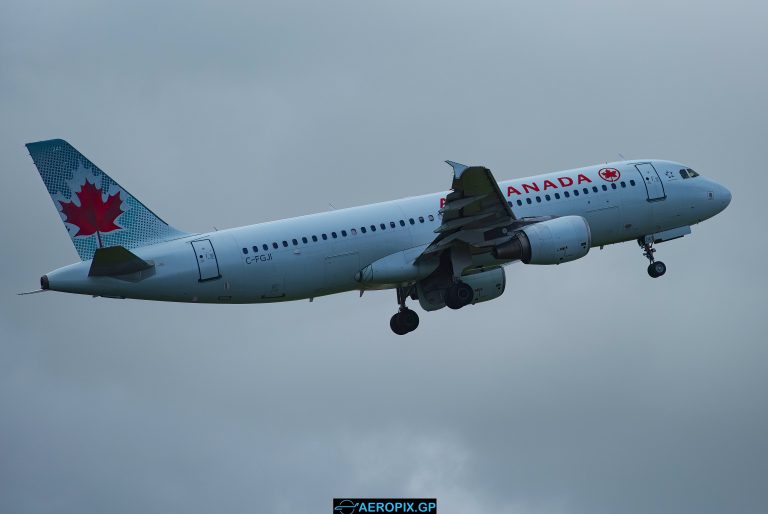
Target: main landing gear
{"points": [[655, 268], [458, 295], [405, 320]]}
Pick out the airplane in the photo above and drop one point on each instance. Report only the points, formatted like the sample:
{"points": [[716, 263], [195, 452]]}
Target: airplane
{"points": [[445, 249]]}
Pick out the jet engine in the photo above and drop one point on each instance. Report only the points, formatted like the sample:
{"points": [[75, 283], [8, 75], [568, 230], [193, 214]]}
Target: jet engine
{"points": [[548, 242], [487, 284]]}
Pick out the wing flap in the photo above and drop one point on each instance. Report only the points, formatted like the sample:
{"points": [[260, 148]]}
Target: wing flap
{"points": [[475, 206]]}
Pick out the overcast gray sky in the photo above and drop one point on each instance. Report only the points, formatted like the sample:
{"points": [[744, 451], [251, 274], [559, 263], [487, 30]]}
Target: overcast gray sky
{"points": [[586, 388]]}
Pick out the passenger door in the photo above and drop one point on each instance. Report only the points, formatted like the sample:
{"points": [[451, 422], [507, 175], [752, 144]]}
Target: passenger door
{"points": [[207, 264], [653, 185]]}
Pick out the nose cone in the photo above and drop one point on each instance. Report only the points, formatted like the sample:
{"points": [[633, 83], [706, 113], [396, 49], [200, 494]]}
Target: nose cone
{"points": [[724, 196]]}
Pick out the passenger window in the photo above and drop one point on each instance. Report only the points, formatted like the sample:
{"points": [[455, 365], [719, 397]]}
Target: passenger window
{"points": [[632, 183], [353, 231], [343, 233], [586, 190], [245, 251], [402, 223], [528, 201], [256, 249], [613, 185], [304, 240], [510, 203], [421, 219], [274, 245], [410, 220], [295, 242], [557, 196], [382, 226], [325, 237], [567, 194], [519, 202], [391, 224], [265, 247], [314, 239], [605, 188], [431, 218], [333, 235], [548, 197], [623, 184], [594, 189], [538, 199], [363, 230], [575, 192], [373, 228], [285, 244]]}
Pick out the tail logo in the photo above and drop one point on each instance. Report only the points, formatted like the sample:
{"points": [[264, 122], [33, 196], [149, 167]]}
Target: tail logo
{"points": [[94, 214]]}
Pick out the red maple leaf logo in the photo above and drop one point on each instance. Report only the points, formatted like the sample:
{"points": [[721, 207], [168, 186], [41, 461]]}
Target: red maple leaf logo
{"points": [[609, 174], [93, 215]]}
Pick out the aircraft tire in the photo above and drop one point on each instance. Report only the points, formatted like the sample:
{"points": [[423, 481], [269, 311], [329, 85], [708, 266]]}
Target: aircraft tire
{"points": [[409, 319], [404, 322], [459, 295], [657, 269]]}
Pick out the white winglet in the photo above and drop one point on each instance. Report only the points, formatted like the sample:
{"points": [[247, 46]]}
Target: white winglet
{"points": [[458, 168]]}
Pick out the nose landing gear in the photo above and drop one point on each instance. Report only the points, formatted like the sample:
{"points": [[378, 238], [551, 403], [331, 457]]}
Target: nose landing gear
{"points": [[405, 320], [655, 268]]}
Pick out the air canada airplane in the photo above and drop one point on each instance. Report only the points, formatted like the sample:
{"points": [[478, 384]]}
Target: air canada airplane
{"points": [[443, 250]]}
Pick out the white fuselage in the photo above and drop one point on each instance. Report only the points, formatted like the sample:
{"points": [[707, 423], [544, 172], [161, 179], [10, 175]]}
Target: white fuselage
{"points": [[320, 254]]}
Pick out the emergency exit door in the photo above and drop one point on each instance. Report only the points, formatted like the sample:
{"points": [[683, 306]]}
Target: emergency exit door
{"points": [[206, 259], [652, 181]]}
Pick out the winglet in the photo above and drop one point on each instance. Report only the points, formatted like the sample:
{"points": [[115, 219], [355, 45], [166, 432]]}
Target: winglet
{"points": [[458, 168]]}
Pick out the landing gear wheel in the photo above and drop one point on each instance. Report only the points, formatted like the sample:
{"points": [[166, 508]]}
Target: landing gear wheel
{"points": [[657, 269], [459, 295], [404, 322]]}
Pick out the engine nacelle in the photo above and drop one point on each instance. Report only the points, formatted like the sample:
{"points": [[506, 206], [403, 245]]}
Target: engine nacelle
{"points": [[488, 284], [548, 242]]}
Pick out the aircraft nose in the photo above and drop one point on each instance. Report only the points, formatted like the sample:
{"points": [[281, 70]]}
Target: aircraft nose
{"points": [[724, 195]]}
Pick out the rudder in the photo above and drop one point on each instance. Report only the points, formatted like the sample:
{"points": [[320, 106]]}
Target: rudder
{"points": [[95, 209]]}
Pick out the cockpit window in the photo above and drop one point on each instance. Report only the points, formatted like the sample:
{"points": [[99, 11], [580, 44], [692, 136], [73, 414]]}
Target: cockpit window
{"points": [[688, 173]]}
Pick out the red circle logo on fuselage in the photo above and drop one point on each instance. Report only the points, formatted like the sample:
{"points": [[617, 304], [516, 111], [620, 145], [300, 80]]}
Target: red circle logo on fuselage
{"points": [[609, 174]]}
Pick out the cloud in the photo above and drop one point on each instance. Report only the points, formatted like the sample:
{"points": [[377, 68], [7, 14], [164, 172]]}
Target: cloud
{"points": [[587, 387]]}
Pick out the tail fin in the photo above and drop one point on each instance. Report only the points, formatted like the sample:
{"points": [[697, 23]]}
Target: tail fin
{"points": [[96, 210]]}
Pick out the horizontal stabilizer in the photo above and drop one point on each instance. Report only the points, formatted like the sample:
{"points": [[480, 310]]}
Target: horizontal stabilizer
{"points": [[116, 260]]}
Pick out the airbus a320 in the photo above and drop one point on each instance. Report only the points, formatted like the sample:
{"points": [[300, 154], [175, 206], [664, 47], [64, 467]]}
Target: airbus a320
{"points": [[445, 249]]}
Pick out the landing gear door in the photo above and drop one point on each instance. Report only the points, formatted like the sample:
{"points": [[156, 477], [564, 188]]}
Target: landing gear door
{"points": [[206, 259], [652, 182]]}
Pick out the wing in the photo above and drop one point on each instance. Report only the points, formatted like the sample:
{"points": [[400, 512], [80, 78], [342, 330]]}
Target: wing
{"points": [[475, 213]]}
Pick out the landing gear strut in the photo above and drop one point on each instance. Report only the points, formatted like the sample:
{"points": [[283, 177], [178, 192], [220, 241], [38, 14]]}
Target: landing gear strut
{"points": [[405, 320], [655, 268]]}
